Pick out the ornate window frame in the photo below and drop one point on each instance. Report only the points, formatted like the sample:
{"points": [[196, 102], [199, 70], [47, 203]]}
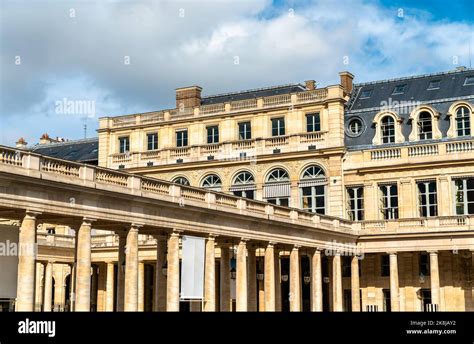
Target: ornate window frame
{"points": [[435, 115], [452, 131], [399, 138]]}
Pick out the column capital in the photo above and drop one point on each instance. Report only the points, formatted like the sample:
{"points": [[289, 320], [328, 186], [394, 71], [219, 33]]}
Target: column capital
{"points": [[136, 226], [176, 233], [272, 244], [296, 247], [32, 214], [87, 221], [392, 252], [433, 252], [212, 236]]}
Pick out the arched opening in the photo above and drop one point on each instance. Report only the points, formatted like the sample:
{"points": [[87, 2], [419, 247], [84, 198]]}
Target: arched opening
{"points": [[463, 121], [243, 185], [425, 126], [312, 186], [212, 182], [277, 188], [387, 129], [181, 181]]}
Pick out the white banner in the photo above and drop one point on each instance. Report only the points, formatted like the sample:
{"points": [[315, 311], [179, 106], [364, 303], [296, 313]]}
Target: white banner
{"points": [[192, 267]]}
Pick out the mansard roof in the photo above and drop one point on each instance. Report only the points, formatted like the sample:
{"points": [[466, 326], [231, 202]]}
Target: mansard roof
{"points": [[86, 151]]}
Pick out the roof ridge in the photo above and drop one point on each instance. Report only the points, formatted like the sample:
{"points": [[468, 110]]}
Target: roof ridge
{"points": [[419, 76], [252, 90]]}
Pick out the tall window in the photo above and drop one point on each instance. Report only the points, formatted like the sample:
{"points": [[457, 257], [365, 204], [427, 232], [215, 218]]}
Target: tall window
{"points": [[212, 182], [425, 126], [313, 189], [278, 126], [152, 140], [244, 185], [389, 201], [313, 122], [277, 187], [346, 266], [463, 121], [245, 131], [464, 196], [355, 202], [424, 264], [124, 144], [181, 181], [213, 134], [387, 306], [182, 138], [428, 198], [387, 127], [385, 265]]}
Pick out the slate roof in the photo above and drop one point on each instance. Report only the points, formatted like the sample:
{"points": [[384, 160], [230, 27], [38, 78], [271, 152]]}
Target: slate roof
{"points": [[86, 151], [451, 88], [251, 94]]}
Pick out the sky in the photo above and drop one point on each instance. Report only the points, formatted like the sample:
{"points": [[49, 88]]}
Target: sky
{"points": [[65, 64]]}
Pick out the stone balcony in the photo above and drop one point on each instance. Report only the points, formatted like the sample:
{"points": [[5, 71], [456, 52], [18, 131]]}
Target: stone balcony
{"points": [[220, 109], [234, 150]]}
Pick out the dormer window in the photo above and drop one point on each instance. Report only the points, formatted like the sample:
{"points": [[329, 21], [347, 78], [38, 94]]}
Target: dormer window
{"points": [[366, 94], [425, 126], [400, 89], [434, 84], [387, 127], [463, 121], [469, 81]]}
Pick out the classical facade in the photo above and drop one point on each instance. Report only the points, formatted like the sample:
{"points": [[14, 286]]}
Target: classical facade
{"points": [[351, 197]]}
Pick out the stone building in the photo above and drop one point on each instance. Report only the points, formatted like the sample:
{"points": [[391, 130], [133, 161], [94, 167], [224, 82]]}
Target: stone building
{"points": [[387, 165]]}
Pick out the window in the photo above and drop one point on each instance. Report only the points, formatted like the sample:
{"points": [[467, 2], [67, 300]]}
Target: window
{"points": [[277, 187], [469, 81], [355, 200], [124, 144], [464, 189], [212, 182], [387, 127], [389, 206], [385, 265], [387, 306], [278, 126], [399, 89], [425, 126], [427, 199], [346, 266], [355, 127], [434, 84], [313, 122], [152, 140], [245, 131], [347, 300], [365, 94], [463, 121], [244, 185], [182, 138], [424, 264], [213, 134], [181, 181], [313, 189]]}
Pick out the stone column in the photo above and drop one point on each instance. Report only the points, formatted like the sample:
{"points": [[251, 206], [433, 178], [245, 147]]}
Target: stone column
{"points": [[337, 280], [277, 280], [434, 276], [241, 278], [72, 291], [394, 290], [122, 241], [252, 279], [25, 297], [94, 284], [295, 280], [109, 301], [160, 278], [316, 282], [172, 287], [48, 286], [355, 284], [141, 286], [131, 270], [83, 268], [269, 276], [225, 305], [210, 276], [38, 288]]}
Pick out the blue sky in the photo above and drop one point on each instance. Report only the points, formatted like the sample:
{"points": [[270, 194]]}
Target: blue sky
{"points": [[57, 52]]}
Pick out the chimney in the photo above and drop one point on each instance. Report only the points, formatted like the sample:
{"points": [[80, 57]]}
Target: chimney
{"points": [[346, 81], [188, 97], [21, 143], [310, 85]]}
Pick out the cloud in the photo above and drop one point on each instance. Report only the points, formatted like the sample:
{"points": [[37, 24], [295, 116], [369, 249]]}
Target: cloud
{"points": [[220, 45]]}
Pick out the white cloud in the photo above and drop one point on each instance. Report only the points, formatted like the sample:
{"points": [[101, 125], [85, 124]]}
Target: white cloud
{"points": [[83, 56]]}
